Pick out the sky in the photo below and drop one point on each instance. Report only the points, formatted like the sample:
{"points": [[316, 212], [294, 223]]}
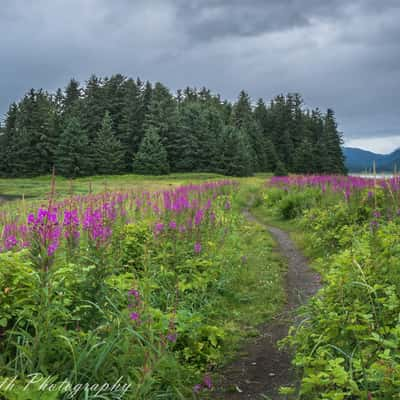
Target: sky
{"points": [[338, 53]]}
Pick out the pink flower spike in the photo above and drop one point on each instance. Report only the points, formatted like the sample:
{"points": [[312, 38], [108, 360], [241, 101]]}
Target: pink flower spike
{"points": [[134, 293], [134, 316], [197, 388], [207, 382], [158, 228], [197, 247], [172, 337], [172, 225]]}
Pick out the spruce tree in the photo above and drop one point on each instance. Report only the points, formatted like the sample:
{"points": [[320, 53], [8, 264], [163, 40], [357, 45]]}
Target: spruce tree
{"points": [[318, 144], [243, 119], [4, 148], [49, 133], [333, 155], [72, 97], [22, 154], [93, 107], [303, 161], [144, 99], [261, 115], [35, 137], [191, 138], [72, 153], [8, 138], [265, 124], [236, 157], [108, 153], [212, 144], [152, 157], [278, 127], [59, 113], [146, 96], [163, 116], [296, 118], [270, 156], [132, 120], [115, 100]]}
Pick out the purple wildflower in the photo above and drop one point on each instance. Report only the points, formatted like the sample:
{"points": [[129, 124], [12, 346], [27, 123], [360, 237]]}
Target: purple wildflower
{"points": [[207, 382], [197, 247], [212, 217], [197, 388], [374, 225], [198, 217], [134, 316], [10, 242], [134, 293], [31, 219], [376, 214], [172, 225], [158, 228], [172, 337]]}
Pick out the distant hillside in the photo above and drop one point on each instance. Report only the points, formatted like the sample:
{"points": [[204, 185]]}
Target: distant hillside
{"points": [[358, 160]]}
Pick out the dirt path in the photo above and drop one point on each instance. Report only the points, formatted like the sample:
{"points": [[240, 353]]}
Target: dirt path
{"points": [[262, 367]]}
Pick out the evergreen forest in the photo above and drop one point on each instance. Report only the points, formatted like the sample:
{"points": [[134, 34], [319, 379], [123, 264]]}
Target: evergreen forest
{"points": [[119, 125]]}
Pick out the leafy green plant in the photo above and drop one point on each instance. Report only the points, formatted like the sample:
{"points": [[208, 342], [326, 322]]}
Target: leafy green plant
{"points": [[294, 203]]}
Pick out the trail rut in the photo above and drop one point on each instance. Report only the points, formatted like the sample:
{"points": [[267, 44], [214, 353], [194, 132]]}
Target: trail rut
{"points": [[262, 368]]}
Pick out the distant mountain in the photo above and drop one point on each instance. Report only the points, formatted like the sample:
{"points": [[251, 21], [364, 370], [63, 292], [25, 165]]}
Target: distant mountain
{"points": [[358, 160]]}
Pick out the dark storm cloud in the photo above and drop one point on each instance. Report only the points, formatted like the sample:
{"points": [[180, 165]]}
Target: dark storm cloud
{"points": [[337, 53], [214, 19]]}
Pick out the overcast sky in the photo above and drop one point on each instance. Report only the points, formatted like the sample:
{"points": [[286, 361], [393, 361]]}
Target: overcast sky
{"points": [[338, 53]]}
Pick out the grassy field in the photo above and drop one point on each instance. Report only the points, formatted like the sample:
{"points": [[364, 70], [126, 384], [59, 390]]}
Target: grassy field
{"points": [[107, 285], [39, 187], [159, 281]]}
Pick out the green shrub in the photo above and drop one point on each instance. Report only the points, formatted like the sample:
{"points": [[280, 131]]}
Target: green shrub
{"points": [[349, 343], [198, 342], [18, 283], [133, 242], [294, 203]]}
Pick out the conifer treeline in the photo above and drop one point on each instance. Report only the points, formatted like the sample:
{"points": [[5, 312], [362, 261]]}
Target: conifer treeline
{"points": [[118, 125]]}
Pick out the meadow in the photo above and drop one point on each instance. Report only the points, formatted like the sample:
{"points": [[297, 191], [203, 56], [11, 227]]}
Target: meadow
{"points": [[128, 287], [346, 344], [145, 287]]}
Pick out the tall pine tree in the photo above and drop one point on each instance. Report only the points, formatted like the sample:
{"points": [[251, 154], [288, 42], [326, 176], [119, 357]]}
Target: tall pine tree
{"points": [[163, 117], [108, 153], [72, 158], [236, 156], [131, 124], [151, 159], [332, 145]]}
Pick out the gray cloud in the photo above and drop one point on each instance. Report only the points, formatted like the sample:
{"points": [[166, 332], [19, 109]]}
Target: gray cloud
{"points": [[338, 54], [215, 19]]}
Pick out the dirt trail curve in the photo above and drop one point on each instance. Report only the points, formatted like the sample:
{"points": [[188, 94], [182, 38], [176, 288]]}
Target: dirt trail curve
{"points": [[263, 368]]}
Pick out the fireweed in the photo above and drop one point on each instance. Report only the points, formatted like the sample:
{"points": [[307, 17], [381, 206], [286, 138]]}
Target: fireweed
{"points": [[381, 195], [78, 234], [65, 223], [348, 342]]}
